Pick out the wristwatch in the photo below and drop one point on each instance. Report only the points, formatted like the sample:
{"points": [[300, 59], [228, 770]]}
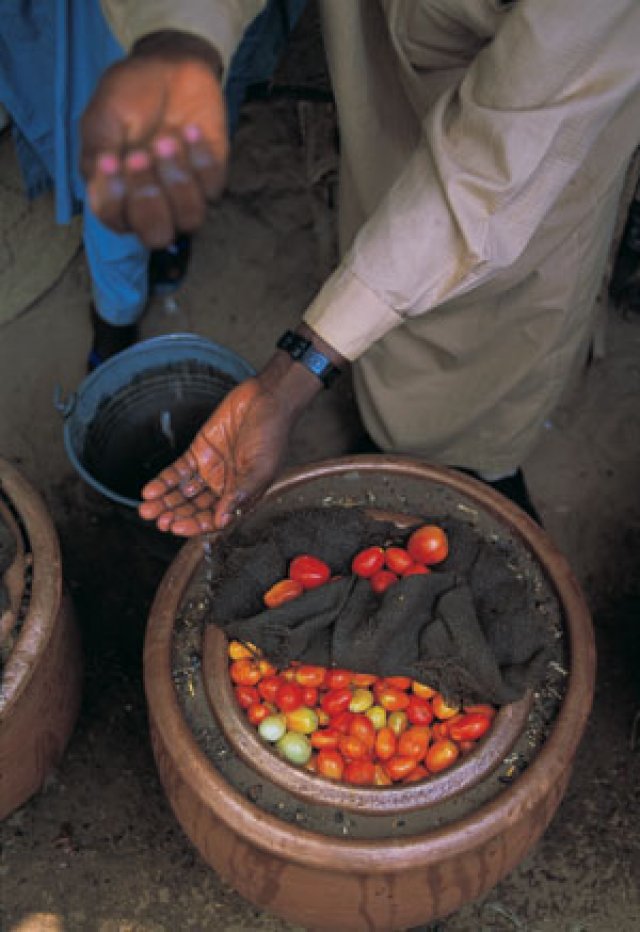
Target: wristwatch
{"points": [[303, 351]]}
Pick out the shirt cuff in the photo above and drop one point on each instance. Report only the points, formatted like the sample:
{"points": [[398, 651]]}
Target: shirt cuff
{"points": [[349, 316]]}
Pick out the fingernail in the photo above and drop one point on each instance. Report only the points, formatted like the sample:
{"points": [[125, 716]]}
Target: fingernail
{"points": [[192, 133], [138, 160], [108, 164], [165, 147]]}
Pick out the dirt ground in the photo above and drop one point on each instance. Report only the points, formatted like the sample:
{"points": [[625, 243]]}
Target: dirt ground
{"points": [[99, 849]]}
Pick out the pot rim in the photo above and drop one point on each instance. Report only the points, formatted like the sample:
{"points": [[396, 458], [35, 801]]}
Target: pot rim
{"points": [[46, 586], [270, 834]]}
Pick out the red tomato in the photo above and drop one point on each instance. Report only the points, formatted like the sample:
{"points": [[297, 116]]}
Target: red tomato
{"points": [[414, 742], [386, 744], [360, 772], [325, 738], [381, 581], [422, 690], [381, 777], [309, 696], [398, 722], [418, 773], [400, 766], [269, 686], [441, 754], [283, 591], [309, 571], [353, 748], [336, 700], [307, 675], [330, 763], [363, 679], [419, 711], [440, 730], [466, 746], [391, 699], [245, 672], [398, 682], [257, 711], [417, 570], [397, 560], [341, 722], [336, 678], [362, 727], [246, 696], [428, 545], [368, 562], [441, 709], [469, 727], [289, 697]]}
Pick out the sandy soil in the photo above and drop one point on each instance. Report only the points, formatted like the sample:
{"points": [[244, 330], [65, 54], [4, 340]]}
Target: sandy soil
{"points": [[98, 848]]}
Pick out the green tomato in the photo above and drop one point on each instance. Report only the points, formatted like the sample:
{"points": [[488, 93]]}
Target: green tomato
{"points": [[294, 747], [272, 728]]}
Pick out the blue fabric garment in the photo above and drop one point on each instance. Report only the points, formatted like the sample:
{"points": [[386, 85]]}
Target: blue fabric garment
{"points": [[52, 54]]}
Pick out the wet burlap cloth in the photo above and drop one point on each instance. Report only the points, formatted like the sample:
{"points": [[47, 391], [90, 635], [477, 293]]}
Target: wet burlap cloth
{"points": [[470, 628]]}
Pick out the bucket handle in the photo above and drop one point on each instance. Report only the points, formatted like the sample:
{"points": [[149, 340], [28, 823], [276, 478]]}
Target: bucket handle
{"points": [[64, 406]]}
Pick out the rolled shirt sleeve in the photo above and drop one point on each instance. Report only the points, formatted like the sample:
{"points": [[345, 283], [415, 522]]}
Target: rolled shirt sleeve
{"points": [[496, 152], [220, 22]]}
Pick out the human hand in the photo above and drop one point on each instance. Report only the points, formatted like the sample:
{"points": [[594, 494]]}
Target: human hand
{"points": [[154, 139], [231, 461]]}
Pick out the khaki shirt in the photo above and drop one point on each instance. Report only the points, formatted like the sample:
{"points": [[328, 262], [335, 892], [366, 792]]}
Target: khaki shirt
{"points": [[477, 136]]}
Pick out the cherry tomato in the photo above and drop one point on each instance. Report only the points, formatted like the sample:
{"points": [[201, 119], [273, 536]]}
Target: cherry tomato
{"points": [[419, 711], [397, 560], [363, 679], [330, 763], [289, 697], [309, 571], [382, 580], [428, 545], [269, 686], [440, 755], [245, 672], [414, 742], [485, 709], [418, 773], [362, 727], [422, 690], [378, 716], [368, 562], [386, 744], [335, 678], [441, 709], [417, 570], [302, 720], [309, 696], [440, 730], [391, 699], [283, 591], [381, 777], [257, 711], [266, 667], [398, 682], [246, 696], [294, 747], [359, 772], [361, 700], [323, 717], [239, 651], [466, 746], [469, 727], [399, 766], [307, 675], [353, 748], [398, 722], [325, 738], [336, 700]]}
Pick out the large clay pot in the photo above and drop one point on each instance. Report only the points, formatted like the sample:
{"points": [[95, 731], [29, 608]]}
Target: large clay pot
{"points": [[40, 685], [319, 879]]}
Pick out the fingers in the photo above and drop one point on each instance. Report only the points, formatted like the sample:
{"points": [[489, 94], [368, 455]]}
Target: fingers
{"points": [[146, 208], [209, 170]]}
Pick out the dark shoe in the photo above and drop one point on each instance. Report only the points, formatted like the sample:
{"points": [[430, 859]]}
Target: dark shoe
{"points": [[108, 340], [168, 267]]}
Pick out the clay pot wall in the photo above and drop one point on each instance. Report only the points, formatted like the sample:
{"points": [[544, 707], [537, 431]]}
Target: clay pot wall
{"points": [[40, 687]]}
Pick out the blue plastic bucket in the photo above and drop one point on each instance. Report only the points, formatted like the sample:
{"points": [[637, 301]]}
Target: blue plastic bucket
{"points": [[138, 411]]}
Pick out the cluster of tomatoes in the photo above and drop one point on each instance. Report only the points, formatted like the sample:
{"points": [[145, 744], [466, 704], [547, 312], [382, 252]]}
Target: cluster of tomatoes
{"points": [[358, 728], [382, 566]]}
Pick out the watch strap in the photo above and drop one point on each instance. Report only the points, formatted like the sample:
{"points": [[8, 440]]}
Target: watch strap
{"points": [[303, 351]]}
